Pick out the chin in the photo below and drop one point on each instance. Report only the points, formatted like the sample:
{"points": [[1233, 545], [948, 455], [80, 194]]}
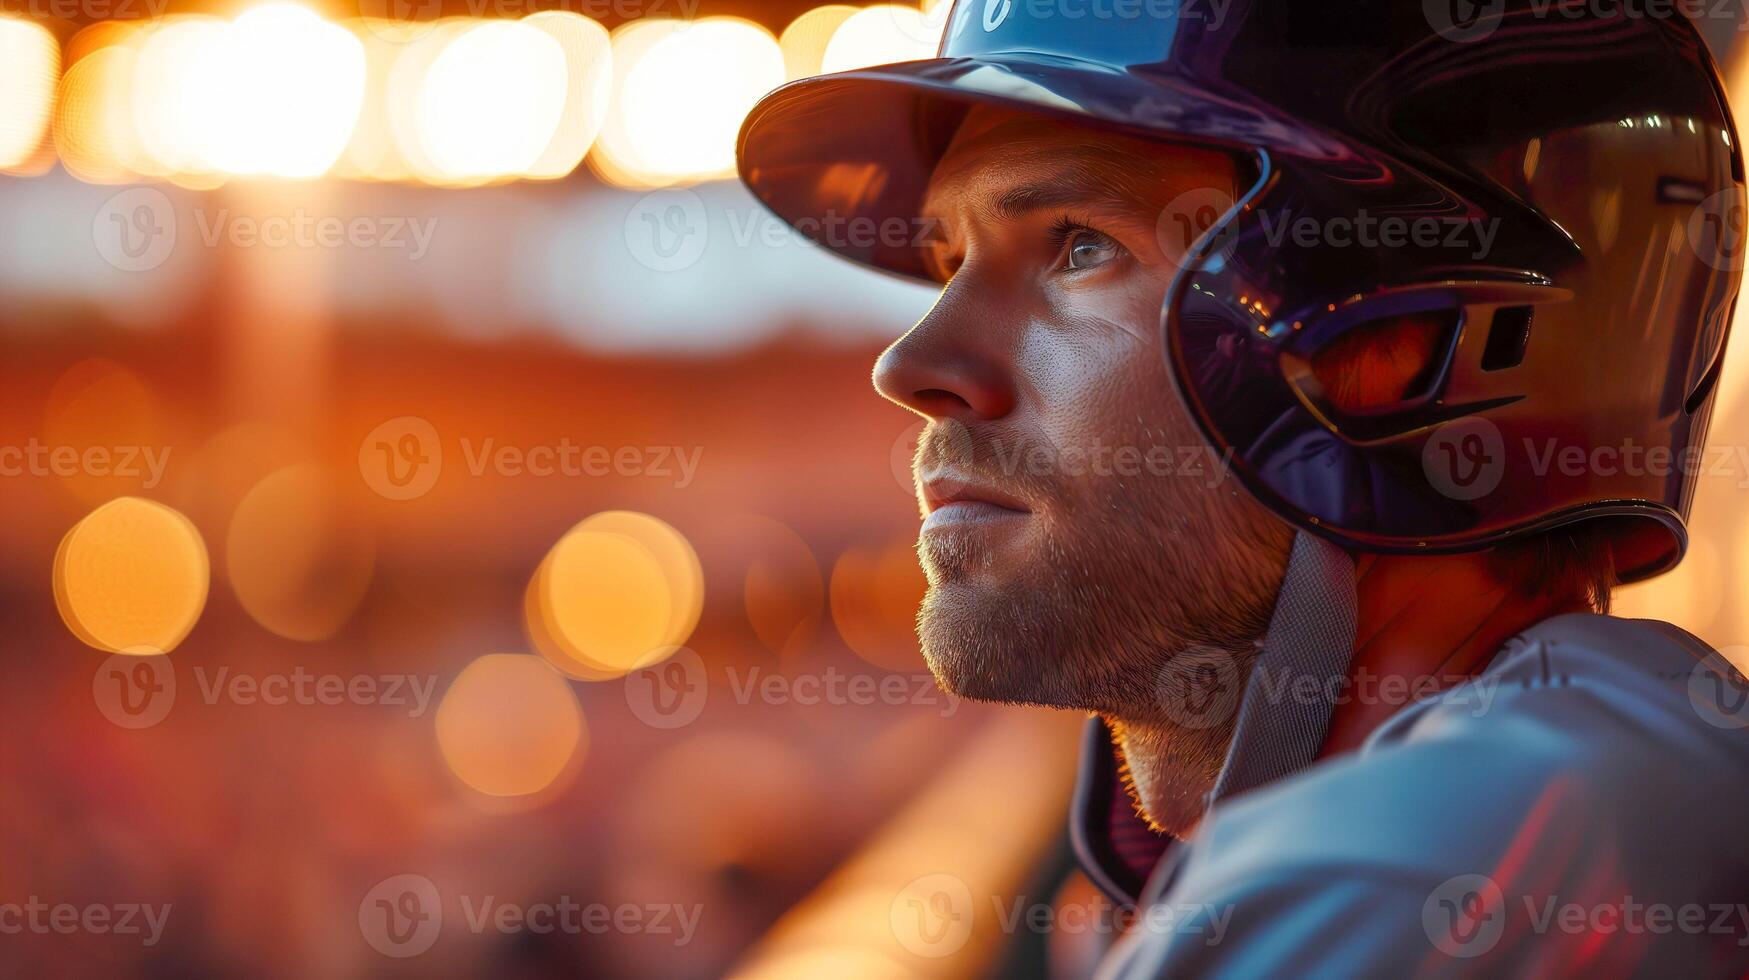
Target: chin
{"points": [[986, 643]]}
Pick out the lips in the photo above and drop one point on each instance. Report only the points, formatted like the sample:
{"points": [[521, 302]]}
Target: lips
{"points": [[951, 489]]}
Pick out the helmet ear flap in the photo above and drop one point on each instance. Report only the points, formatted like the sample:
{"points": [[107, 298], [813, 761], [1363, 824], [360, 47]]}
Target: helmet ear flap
{"points": [[1383, 365], [1380, 377]]}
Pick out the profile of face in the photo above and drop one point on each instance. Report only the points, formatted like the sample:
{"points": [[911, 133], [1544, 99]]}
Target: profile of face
{"points": [[1079, 532]]}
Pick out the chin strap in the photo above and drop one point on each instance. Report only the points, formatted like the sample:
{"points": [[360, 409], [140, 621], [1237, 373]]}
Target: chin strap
{"points": [[1311, 635]]}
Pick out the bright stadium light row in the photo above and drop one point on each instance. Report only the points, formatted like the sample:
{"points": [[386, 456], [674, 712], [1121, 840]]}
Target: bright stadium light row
{"points": [[279, 91], [29, 62]]}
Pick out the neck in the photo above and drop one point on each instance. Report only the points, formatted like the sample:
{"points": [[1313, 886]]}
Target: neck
{"points": [[1424, 622], [1432, 621], [1168, 770]]}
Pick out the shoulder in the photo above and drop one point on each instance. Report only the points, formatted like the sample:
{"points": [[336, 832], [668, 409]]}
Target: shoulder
{"points": [[1642, 658], [1526, 821], [1577, 690], [1588, 735]]}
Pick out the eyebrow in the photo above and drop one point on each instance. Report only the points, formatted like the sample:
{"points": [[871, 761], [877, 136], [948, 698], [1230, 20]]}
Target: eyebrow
{"points": [[1065, 190]]}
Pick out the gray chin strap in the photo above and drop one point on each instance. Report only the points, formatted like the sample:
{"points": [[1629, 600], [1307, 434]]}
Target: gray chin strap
{"points": [[1311, 635]]}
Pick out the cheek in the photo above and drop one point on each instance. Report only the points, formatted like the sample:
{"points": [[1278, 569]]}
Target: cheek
{"points": [[1094, 371]]}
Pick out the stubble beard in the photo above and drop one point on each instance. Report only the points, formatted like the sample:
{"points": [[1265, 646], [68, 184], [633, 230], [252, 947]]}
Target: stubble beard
{"points": [[1115, 589]]}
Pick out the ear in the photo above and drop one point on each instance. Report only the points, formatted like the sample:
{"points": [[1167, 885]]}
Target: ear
{"points": [[1379, 363]]}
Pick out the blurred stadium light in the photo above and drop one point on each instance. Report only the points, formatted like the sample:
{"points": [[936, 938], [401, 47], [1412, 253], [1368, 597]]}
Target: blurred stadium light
{"points": [[30, 59], [281, 91], [582, 262]]}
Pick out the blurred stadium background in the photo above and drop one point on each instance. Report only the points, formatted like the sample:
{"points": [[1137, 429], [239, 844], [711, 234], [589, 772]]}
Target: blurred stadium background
{"points": [[360, 281]]}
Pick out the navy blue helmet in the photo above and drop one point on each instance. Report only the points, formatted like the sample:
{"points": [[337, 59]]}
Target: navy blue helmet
{"points": [[1564, 184]]}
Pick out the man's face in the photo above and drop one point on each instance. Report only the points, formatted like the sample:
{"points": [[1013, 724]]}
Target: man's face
{"points": [[1078, 529]]}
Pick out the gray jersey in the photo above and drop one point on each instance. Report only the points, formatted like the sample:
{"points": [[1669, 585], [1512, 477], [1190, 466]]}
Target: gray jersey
{"points": [[1582, 806]]}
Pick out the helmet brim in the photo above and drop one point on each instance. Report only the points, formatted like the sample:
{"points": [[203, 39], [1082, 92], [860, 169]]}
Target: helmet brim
{"points": [[845, 158]]}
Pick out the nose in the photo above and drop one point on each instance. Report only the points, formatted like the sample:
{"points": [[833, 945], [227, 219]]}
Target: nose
{"points": [[952, 363]]}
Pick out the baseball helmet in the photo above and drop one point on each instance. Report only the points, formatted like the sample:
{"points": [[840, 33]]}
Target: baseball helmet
{"points": [[1567, 189]]}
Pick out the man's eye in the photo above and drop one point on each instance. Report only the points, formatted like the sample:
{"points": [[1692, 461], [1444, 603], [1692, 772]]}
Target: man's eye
{"points": [[1080, 247], [1089, 249]]}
